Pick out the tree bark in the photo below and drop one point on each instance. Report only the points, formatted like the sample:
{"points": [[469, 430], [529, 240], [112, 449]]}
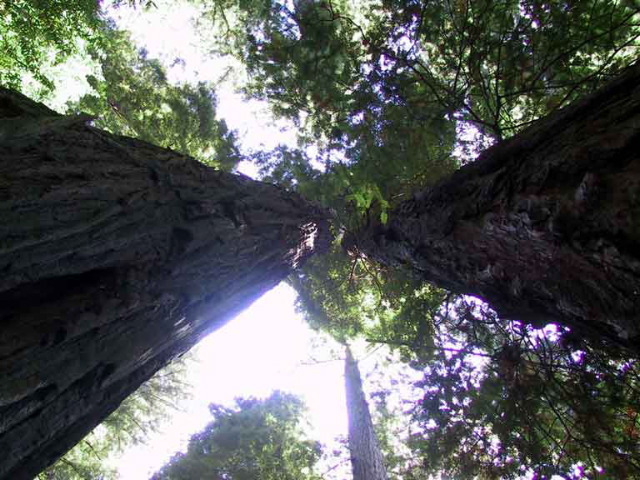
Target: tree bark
{"points": [[544, 226], [116, 256], [366, 458]]}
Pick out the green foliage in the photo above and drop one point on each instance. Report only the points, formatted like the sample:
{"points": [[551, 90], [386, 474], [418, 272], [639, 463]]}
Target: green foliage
{"points": [[86, 461], [301, 59], [258, 439], [308, 60], [38, 32], [132, 96], [131, 423], [135, 98], [351, 70], [359, 298], [328, 299], [372, 81], [502, 64], [501, 400]]}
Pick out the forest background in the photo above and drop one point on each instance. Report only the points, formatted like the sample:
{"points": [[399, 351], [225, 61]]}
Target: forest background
{"points": [[430, 83]]}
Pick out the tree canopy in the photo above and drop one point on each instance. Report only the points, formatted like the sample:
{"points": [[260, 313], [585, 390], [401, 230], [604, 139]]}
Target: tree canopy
{"points": [[132, 96], [32, 31], [389, 97], [257, 439]]}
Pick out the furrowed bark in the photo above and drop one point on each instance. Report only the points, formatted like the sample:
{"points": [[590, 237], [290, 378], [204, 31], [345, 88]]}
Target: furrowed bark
{"points": [[366, 458], [544, 226], [117, 256]]}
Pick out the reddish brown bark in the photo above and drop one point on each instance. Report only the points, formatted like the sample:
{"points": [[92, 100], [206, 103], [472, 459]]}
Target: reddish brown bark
{"points": [[117, 256], [367, 462], [544, 226]]}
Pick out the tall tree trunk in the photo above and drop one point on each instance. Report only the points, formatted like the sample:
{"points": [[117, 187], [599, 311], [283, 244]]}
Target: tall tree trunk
{"points": [[117, 256], [544, 226], [366, 458]]}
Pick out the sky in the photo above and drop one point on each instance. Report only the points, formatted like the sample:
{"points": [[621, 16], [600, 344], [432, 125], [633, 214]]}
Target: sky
{"points": [[265, 348], [268, 346]]}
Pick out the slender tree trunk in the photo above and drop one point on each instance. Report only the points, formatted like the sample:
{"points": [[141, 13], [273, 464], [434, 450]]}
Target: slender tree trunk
{"points": [[366, 458], [117, 256], [544, 226]]}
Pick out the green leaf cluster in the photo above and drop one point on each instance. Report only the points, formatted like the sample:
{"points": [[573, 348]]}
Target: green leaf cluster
{"points": [[504, 400], [134, 97], [34, 33], [257, 439], [502, 64], [310, 62], [360, 299]]}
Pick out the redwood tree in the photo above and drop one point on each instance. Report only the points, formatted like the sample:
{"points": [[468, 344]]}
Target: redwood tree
{"points": [[367, 462], [544, 226], [117, 256]]}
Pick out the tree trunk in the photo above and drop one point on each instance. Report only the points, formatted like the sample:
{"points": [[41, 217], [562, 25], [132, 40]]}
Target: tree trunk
{"points": [[116, 256], [544, 226], [366, 458]]}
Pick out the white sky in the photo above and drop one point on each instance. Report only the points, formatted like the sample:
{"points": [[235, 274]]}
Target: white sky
{"points": [[268, 346], [264, 348]]}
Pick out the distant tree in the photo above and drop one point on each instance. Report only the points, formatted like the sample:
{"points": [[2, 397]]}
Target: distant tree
{"points": [[367, 462], [256, 440], [334, 307]]}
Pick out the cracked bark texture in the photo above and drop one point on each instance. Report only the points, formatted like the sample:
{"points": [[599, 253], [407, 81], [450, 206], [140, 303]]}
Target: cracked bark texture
{"points": [[544, 226], [117, 256], [367, 462]]}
